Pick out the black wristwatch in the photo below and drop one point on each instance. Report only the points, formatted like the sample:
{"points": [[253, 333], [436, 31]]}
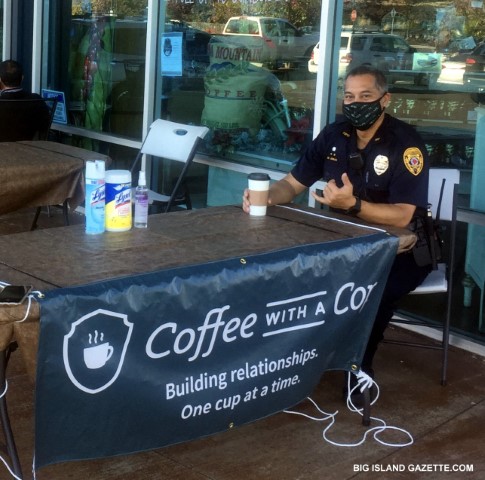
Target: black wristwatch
{"points": [[356, 208]]}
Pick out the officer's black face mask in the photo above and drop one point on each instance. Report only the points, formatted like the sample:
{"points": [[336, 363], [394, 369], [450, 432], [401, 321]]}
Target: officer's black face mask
{"points": [[362, 115]]}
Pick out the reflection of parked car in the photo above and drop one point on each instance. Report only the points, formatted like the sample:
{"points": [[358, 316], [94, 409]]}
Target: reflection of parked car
{"points": [[474, 75], [344, 56], [390, 53], [458, 46], [314, 58], [452, 70], [283, 43]]}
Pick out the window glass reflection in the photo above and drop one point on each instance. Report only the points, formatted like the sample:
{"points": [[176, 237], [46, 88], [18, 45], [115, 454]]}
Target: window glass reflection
{"points": [[1, 29], [431, 56], [96, 56], [246, 76]]}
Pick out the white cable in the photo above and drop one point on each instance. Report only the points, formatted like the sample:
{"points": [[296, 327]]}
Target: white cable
{"points": [[30, 297], [27, 311], [363, 381], [29, 301], [5, 390], [9, 469]]}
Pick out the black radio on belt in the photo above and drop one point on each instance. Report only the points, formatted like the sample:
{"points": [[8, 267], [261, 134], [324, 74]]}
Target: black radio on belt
{"points": [[356, 161]]}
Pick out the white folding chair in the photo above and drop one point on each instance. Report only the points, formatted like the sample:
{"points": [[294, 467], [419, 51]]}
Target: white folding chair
{"points": [[442, 194], [171, 141]]}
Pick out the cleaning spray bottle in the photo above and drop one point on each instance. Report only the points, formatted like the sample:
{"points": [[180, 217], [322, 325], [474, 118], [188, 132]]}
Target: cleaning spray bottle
{"points": [[141, 202], [95, 196]]}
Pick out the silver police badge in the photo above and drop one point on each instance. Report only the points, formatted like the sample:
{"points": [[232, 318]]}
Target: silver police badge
{"points": [[381, 164]]}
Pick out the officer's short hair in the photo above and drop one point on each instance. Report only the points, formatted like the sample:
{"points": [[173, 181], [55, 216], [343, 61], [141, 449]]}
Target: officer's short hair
{"points": [[11, 73], [379, 77]]}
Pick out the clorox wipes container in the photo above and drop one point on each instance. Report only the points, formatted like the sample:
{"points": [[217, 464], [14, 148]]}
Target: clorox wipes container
{"points": [[118, 200]]}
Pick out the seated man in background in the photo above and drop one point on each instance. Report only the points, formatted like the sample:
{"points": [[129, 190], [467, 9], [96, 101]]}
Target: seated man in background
{"points": [[20, 120], [11, 77], [376, 169]]}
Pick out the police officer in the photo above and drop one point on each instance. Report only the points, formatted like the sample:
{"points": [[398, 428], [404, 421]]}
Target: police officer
{"points": [[376, 169]]}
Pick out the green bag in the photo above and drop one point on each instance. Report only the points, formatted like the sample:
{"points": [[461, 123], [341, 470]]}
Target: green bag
{"points": [[235, 89]]}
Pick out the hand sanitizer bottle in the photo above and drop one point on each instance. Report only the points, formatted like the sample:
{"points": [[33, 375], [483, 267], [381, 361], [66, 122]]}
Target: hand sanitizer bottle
{"points": [[141, 202]]}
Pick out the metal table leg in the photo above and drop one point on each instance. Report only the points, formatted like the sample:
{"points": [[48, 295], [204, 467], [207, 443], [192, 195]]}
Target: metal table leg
{"points": [[366, 407], [7, 430]]}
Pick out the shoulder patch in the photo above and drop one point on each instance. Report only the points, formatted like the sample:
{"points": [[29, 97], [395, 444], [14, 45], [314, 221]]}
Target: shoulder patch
{"points": [[413, 159]]}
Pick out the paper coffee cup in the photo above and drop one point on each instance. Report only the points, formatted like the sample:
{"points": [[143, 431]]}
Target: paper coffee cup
{"points": [[258, 184]]}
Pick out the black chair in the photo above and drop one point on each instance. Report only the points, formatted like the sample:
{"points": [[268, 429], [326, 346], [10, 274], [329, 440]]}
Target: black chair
{"points": [[52, 106], [25, 119], [442, 196]]}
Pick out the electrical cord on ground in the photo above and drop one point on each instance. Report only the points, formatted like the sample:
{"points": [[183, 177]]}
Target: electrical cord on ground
{"points": [[363, 381]]}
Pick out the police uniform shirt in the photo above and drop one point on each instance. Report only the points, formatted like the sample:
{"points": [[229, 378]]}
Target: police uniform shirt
{"points": [[394, 167]]}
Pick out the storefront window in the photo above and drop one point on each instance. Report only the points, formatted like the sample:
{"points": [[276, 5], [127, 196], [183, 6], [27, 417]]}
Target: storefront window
{"points": [[246, 76], [434, 73], [242, 69], [248, 70], [96, 58], [1, 30]]}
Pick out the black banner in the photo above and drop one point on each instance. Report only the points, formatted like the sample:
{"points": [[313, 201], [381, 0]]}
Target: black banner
{"points": [[146, 361]]}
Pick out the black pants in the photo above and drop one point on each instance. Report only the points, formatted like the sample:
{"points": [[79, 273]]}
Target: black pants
{"points": [[404, 277]]}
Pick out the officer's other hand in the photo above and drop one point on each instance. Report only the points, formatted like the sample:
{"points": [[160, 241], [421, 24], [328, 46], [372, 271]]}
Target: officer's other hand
{"points": [[245, 200], [337, 197]]}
